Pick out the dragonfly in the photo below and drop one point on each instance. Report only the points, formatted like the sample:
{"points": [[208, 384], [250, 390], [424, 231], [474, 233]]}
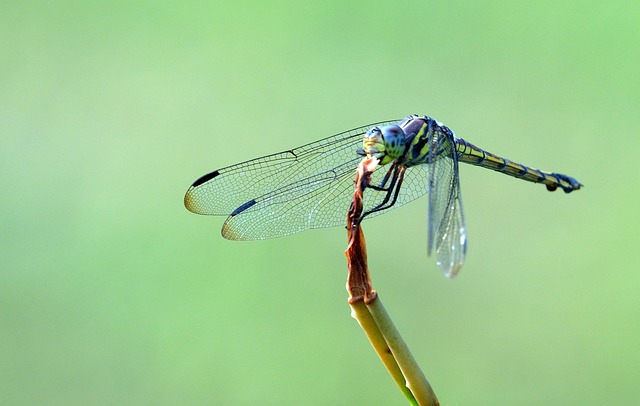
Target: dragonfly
{"points": [[311, 186]]}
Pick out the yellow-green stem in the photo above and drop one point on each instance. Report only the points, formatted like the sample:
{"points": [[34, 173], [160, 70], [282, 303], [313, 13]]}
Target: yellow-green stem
{"points": [[361, 313]]}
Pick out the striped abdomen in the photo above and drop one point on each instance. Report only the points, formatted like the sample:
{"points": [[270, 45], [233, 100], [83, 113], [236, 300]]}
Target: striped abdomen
{"points": [[470, 154]]}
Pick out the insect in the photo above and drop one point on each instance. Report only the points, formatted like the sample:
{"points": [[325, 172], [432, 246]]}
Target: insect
{"points": [[311, 186]]}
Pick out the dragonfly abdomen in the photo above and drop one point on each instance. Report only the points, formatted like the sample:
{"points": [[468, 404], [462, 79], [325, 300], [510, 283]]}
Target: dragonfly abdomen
{"points": [[470, 154]]}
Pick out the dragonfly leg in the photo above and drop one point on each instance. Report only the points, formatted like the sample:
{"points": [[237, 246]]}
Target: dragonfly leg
{"points": [[381, 186], [397, 176]]}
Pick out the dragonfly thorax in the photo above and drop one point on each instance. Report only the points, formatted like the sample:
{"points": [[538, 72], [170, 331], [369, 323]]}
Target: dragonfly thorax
{"points": [[385, 143]]}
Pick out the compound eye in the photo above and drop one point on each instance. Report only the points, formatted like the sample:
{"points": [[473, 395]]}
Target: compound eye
{"points": [[393, 130], [394, 140], [392, 134]]}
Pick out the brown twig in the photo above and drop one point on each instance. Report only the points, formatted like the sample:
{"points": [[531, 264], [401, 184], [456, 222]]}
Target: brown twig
{"points": [[358, 279]]}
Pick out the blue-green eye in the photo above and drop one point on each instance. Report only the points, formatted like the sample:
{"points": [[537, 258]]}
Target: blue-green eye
{"points": [[394, 140]]}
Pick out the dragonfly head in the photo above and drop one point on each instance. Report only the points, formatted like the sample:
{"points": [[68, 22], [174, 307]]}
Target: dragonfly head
{"points": [[385, 143]]}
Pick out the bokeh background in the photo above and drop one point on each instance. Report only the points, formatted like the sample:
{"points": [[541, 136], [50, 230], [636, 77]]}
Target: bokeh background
{"points": [[112, 293]]}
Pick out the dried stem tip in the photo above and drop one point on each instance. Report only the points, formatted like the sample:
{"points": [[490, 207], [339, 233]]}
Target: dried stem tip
{"points": [[358, 279]]}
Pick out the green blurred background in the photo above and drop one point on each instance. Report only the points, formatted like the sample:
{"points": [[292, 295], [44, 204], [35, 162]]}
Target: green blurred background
{"points": [[111, 292]]}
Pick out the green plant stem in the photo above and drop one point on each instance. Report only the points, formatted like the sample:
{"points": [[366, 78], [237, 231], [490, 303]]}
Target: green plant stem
{"points": [[415, 379], [361, 313]]}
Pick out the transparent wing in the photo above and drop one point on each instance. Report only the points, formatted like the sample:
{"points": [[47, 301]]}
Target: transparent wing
{"points": [[446, 228], [320, 200], [284, 193]]}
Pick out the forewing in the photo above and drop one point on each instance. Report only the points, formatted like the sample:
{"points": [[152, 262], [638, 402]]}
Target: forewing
{"points": [[267, 197]]}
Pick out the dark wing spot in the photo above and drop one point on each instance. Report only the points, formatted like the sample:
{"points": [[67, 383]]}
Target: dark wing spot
{"points": [[244, 207], [205, 178]]}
